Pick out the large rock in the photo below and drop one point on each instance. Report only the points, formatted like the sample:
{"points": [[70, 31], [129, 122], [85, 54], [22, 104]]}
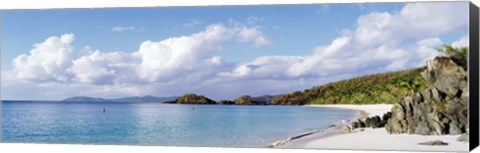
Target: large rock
{"points": [[446, 76], [372, 122], [440, 109]]}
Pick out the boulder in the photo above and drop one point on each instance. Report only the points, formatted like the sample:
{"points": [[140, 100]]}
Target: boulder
{"points": [[440, 109], [446, 76], [372, 122]]}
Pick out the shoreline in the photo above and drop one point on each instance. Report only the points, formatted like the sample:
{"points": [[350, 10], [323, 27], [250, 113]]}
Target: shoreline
{"points": [[336, 128], [337, 137]]}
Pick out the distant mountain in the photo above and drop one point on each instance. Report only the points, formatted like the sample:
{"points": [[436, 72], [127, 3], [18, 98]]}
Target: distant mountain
{"points": [[125, 99], [83, 99]]}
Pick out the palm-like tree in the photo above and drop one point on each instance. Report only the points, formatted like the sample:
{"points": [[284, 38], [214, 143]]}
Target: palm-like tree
{"points": [[456, 52]]}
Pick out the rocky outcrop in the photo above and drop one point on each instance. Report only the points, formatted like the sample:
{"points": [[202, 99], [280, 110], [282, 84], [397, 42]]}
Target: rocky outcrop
{"points": [[440, 109], [192, 99], [372, 122]]}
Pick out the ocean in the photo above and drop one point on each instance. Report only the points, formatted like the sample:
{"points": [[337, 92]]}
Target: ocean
{"points": [[160, 124]]}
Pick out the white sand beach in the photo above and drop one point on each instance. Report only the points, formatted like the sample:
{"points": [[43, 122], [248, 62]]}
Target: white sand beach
{"points": [[372, 139], [372, 110]]}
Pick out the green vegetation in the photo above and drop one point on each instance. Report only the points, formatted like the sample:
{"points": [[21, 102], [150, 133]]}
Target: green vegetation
{"points": [[387, 88], [455, 52], [245, 100], [193, 99], [226, 102]]}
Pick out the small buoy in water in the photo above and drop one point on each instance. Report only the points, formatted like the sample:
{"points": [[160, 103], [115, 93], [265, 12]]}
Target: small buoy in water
{"points": [[104, 110]]}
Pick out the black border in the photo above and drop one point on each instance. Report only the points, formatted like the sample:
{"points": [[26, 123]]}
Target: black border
{"points": [[473, 76]]}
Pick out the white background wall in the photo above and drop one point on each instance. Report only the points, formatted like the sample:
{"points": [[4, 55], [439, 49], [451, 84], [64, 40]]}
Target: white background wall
{"points": [[43, 4]]}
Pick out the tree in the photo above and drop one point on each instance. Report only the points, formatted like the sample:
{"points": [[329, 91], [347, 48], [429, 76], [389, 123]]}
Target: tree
{"points": [[456, 52]]}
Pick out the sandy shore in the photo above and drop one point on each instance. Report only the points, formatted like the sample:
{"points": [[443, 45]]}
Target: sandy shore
{"points": [[372, 139], [371, 110]]}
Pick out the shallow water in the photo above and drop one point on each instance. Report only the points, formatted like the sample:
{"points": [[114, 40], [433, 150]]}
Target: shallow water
{"points": [[160, 124]]}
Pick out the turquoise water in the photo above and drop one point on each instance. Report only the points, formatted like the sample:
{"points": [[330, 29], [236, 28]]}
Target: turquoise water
{"points": [[160, 124]]}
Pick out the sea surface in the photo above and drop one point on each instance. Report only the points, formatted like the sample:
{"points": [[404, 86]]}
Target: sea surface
{"points": [[160, 124]]}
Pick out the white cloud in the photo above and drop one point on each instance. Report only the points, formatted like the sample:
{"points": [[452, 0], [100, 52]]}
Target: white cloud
{"points": [[372, 29], [414, 21], [321, 54], [380, 41], [253, 34], [427, 49], [125, 29], [464, 41], [217, 60], [169, 58], [187, 60], [433, 18], [242, 70], [271, 67], [104, 68], [46, 61]]}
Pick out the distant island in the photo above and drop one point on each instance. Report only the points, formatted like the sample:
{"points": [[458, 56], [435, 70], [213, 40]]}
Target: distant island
{"points": [[192, 98], [189, 98]]}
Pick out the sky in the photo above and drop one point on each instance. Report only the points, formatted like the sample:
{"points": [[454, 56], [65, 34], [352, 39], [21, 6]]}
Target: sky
{"points": [[222, 52]]}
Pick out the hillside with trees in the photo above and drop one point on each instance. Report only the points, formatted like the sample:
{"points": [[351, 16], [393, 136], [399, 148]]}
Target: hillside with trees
{"points": [[387, 88]]}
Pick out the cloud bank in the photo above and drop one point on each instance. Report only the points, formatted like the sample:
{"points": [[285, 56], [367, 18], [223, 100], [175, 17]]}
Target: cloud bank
{"points": [[379, 42]]}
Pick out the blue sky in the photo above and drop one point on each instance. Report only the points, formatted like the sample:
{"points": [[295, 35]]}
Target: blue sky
{"points": [[282, 48], [92, 27]]}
